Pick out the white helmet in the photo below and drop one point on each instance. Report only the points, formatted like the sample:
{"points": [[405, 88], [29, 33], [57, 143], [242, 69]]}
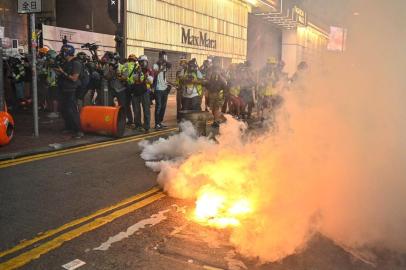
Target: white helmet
{"points": [[143, 58]]}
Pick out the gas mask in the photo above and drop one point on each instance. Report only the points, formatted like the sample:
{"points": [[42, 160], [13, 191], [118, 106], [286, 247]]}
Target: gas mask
{"points": [[192, 67]]}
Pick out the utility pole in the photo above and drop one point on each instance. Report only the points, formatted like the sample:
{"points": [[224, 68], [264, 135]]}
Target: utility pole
{"points": [[34, 74], [31, 7], [2, 103], [115, 8]]}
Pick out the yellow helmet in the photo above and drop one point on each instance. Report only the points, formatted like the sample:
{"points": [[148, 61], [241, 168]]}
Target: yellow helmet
{"points": [[43, 50], [272, 60], [132, 57]]}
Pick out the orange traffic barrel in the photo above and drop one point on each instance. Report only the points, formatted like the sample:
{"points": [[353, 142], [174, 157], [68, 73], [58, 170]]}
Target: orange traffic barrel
{"points": [[103, 120], [6, 128]]}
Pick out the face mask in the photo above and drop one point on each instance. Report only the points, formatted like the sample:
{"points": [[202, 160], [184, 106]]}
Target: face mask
{"points": [[165, 57]]}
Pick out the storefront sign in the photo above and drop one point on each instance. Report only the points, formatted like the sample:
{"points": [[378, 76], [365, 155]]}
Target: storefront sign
{"points": [[337, 39], [53, 36], [29, 6], [201, 40], [300, 15]]}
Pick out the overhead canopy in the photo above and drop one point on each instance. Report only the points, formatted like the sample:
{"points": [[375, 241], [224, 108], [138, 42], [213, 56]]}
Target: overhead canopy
{"points": [[280, 12]]}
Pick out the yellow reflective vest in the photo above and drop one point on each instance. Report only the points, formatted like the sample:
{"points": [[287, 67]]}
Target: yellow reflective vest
{"points": [[51, 77], [128, 70], [270, 85], [198, 86]]}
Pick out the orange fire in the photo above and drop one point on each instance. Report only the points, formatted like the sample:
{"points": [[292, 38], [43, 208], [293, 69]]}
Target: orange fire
{"points": [[217, 209]]}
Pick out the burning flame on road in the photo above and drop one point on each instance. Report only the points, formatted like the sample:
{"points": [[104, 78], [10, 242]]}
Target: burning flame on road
{"points": [[218, 209], [333, 163]]}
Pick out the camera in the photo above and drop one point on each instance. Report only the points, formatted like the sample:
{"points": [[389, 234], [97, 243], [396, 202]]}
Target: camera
{"points": [[90, 46], [56, 62], [113, 63], [59, 60]]}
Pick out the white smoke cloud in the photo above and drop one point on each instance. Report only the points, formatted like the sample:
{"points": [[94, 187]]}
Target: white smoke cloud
{"points": [[336, 164], [183, 145]]}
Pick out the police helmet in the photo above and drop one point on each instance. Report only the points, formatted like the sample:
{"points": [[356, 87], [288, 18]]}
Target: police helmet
{"points": [[67, 50]]}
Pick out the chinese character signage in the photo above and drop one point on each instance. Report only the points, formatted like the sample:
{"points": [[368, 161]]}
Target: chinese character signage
{"points": [[299, 15], [29, 6]]}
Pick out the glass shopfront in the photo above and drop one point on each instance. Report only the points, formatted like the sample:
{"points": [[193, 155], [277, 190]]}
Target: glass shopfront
{"points": [[193, 27]]}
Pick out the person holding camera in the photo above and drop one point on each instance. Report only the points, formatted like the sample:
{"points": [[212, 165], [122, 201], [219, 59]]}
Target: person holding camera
{"points": [[162, 88], [216, 83], [204, 69], [52, 84], [116, 80], [129, 69], [17, 75], [193, 90], [180, 73], [68, 80], [143, 80]]}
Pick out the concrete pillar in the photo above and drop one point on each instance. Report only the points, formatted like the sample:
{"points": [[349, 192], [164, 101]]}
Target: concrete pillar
{"points": [[290, 49]]}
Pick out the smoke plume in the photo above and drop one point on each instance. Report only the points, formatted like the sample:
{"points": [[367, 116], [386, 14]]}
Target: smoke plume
{"points": [[335, 165]]}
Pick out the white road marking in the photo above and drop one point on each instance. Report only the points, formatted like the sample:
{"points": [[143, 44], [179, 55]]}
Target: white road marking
{"points": [[75, 264], [211, 268], [152, 221]]}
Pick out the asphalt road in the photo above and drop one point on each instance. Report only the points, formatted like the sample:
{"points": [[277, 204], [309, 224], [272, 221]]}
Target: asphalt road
{"points": [[99, 207]]}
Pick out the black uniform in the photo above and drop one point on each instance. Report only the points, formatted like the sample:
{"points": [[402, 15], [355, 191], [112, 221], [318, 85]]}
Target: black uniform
{"points": [[69, 108]]}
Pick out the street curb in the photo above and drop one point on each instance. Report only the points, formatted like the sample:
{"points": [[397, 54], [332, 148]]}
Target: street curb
{"points": [[74, 144], [70, 145]]}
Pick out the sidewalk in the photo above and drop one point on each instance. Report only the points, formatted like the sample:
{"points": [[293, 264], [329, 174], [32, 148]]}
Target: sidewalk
{"points": [[51, 138]]}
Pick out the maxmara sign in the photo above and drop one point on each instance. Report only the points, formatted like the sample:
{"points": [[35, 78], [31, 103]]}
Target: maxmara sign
{"points": [[201, 40]]}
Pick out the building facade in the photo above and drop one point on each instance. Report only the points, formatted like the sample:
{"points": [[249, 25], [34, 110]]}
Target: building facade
{"points": [[289, 33], [15, 27], [193, 27], [235, 30], [91, 15], [264, 41]]}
